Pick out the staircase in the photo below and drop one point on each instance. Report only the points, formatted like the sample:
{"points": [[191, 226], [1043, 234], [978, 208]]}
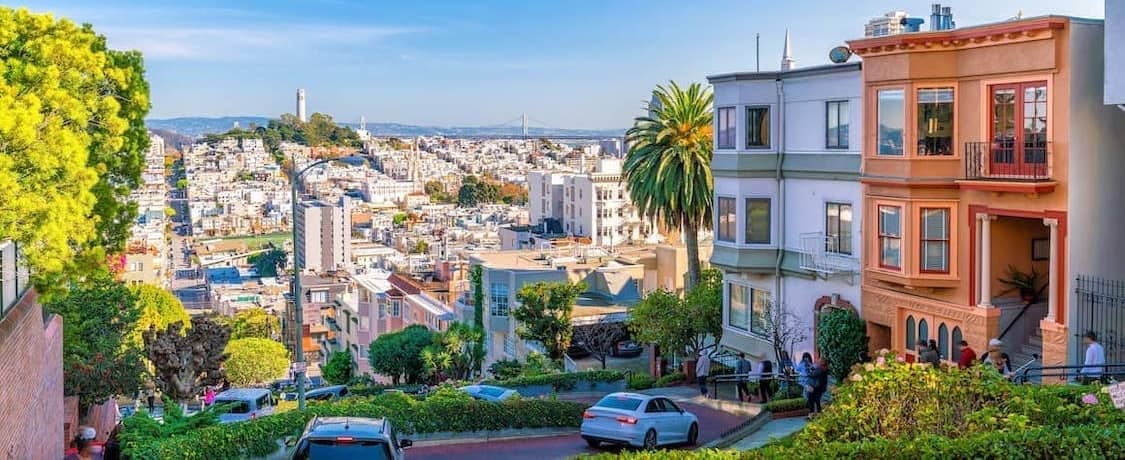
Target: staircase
{"points": [[1025, 339], [1022, 353]]}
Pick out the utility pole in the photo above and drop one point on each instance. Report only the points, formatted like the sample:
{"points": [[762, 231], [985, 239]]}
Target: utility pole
{"points": [[757, 52]]}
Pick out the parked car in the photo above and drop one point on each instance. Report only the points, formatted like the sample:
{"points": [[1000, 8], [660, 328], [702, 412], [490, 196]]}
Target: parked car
{"points": [[327, 393], [627, 349], [246, 403], [489, 392], [333, 438], [638, 420], [577, 351]]}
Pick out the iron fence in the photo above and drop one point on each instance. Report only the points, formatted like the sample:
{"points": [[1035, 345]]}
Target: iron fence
{"points": [[1100, 307], [1007, 161]]}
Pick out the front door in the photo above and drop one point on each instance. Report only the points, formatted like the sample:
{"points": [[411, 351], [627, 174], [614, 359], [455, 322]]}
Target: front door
{"points": [[1019, 130]]}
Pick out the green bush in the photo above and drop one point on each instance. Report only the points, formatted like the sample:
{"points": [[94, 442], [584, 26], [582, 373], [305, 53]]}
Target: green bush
{"points": [[640, 382], [506, 369], [841, 336], [409, 415], [670, 379], [560, 382], [785, 405]]}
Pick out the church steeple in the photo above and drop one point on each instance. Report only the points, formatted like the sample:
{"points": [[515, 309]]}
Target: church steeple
{"points": [[787, 61]]}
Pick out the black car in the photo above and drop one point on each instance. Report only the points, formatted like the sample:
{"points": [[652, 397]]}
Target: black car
{"points": [[577, 351], [627, 349], [332, 438]]}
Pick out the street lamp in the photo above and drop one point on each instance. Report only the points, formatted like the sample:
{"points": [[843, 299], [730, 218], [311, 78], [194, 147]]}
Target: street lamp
{"points": [[294, 182]]}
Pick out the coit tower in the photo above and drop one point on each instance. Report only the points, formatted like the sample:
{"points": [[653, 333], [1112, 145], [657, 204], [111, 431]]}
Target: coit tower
{"points": [[301, 105]]}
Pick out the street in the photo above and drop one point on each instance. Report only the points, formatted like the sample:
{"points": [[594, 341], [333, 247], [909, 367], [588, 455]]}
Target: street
{"points": [[712, 424]]}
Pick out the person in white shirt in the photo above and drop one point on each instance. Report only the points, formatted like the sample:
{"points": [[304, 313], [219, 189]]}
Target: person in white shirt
{"points": [[1095, 359], [702, 370]]}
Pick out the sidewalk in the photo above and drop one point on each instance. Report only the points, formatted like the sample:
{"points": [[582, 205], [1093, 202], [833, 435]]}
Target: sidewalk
{"points": [[772, 430]]}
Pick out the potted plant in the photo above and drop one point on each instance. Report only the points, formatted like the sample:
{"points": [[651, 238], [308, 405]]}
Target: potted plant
{"points": [[1026, 283]]}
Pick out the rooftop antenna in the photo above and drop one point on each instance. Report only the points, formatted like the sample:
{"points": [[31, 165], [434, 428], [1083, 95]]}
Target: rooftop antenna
{"points": [[757, 52]]}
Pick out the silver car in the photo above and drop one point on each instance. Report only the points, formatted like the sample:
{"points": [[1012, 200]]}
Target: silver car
{"points": [[638, 420], [489, 392]]}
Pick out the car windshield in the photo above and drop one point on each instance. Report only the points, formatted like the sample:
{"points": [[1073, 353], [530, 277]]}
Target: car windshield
{"points": [[330, 449], [619, 402], [236, 406]]}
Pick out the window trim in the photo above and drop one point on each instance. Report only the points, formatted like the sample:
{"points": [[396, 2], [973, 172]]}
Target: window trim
{"points": [[718, 219], [827, 109], [733, 136], [769, 127], [746, 220], [750, 294], [922, 240], [881, 235], [838, 238]]}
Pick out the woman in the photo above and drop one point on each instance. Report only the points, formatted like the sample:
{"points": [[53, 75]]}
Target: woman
{"points": [[765, 382], [804, 369], [819, 377], [1003, 365], [930, 354]]}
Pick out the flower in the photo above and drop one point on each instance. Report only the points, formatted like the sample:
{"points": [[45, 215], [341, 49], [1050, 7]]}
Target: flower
{"points": [[1090, 399], [1104, 390], [882, 361], [869, 367], [900, 358], [857, 377]]}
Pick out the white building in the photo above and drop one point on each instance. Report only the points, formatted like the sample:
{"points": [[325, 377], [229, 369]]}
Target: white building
{"points": [[1115, 55], [324, 235], [594, 205], [887, 24], [787, 197]]}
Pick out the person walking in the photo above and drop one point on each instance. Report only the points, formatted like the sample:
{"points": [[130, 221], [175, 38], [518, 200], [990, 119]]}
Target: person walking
{"points": [[765, 381], [819, 378], [1094, 363], [967, 355], [742, 370], [929, 354], [150, 396], [804, 370], [209, 397], [702, 371]]}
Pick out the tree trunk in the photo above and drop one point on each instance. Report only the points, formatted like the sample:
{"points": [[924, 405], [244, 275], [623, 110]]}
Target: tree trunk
{"points": [[691, 240], [603, 362]]}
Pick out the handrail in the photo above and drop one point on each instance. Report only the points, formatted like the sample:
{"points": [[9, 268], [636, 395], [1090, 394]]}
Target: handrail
{"points": [[1118, 370], [1022, 311]]}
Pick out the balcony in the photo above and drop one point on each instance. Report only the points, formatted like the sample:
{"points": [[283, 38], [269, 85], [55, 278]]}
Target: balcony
{"points": [[820, 255], [1008, 167]]}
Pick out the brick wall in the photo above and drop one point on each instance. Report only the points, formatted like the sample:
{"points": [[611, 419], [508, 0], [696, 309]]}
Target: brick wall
{"points": [[31, 383]]}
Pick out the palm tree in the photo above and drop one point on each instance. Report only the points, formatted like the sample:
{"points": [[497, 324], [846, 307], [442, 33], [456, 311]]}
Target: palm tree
{"points": [[668, 167]]}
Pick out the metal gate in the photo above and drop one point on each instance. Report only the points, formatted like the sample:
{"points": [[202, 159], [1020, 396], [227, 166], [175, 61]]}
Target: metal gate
{"points": [[1100, 308]]}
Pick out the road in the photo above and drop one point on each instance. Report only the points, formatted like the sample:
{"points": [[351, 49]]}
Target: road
{"points": [[186, 282], [712, 424]]}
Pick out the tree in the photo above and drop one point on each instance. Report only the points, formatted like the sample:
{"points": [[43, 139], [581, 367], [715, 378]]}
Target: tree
{"points": [[681, 325], [338, 370], [254, 361], [599, 338], [398, 355], [420, 247], [253, 323], [453, 354], [158, 308], [188, 362], [182, 184], [71, 133], [475, 192], [841, 337], [544, 314], [269, 263], [668, 166], [784, 329], [513, 194], [99, 359]]}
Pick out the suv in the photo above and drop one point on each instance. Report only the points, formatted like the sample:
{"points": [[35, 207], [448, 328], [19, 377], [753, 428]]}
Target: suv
{"points": [[332, 438], [245, 404]]}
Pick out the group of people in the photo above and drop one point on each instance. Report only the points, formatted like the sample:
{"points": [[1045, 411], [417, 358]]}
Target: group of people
{"points": [[812, 376], [1093, 365]]}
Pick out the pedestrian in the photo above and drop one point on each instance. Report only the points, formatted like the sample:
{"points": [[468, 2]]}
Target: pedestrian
{"points": [[804, 370], [819, 378], [112, 448], [150, 396], [209, 396], [702, 371], [1094, 364], [83, 445], [765, 380], [967, 355], [995, 348], [742, 373], [1003, 364], [785, 372], [929, 353]]}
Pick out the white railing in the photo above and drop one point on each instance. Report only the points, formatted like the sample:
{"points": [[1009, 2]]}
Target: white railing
{"points": [[820, 254]]}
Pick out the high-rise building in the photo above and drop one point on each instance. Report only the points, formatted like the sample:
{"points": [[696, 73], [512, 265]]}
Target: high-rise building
{"points": [[887, 24], [941, 17], [594, 205], [324, 235], [301, 105]]}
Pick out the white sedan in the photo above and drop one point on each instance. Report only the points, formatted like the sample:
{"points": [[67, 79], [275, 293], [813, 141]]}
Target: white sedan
{"points": [[638, 420]]}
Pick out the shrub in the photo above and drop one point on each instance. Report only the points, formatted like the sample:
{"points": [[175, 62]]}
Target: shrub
{"points": [[640, 382], [506, 369], [670, 379], [841, 337], [785, 405], [560, 382]]}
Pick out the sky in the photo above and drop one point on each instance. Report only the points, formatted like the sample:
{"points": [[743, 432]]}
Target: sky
{"points": [[567, 64]]}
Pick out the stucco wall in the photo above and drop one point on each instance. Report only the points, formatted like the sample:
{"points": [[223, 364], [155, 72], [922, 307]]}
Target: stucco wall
{"points": [[1114, 55]]}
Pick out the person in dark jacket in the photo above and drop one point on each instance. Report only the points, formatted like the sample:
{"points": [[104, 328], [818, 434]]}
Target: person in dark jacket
{"points": [[765, 381], [929, 354], [743, 374], [819, 385]]}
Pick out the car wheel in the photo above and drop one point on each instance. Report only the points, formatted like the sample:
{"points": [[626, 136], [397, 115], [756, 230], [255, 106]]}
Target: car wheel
{"points": [[693, 434], [593, 442], [650, 440]]}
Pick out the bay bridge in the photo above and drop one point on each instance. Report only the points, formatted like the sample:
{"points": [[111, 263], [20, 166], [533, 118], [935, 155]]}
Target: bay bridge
{"points": [[528, 128]]}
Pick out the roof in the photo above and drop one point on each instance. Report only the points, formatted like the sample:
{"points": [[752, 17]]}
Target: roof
{"points": [[242, 393], [431, 305], [376, 281], [346, 426], [783, 74], [981, 33]]}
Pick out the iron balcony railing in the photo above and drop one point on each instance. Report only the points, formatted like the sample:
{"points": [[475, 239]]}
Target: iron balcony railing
{"points": [[1007, 160]]}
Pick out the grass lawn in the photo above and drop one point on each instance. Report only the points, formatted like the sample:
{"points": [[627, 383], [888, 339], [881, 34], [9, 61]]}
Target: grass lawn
{"points": [[258, 241]]}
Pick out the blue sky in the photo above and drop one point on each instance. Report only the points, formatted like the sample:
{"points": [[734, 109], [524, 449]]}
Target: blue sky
{"points": [[572, 64]]}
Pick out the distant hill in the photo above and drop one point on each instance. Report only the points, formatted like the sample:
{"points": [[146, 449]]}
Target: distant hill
{"points": [[198, 127], [172, 139]]}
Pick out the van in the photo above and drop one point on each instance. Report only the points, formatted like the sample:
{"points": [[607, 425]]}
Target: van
{"points": [[246, 404]]}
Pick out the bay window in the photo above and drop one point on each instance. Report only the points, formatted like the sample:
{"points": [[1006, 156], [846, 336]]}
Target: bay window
{"points": [[890, 237], [935, 240], [890, 113], [935, 121]]}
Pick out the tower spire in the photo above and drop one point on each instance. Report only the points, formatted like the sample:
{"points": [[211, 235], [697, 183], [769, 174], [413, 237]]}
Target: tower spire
{"points": [[787, 61]]}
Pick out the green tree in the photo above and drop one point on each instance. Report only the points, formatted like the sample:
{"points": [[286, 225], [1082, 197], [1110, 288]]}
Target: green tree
{"points": [[544, 314], [398, 355], [668, 166], [421, 247], [475, 192], [158, 308], [253, 323], [254, 361], [338, 370], [454, 354], [181, 184], [840, 337], [100, 360], [400, 219], [71, 133], [269, 263], [681, 325]]}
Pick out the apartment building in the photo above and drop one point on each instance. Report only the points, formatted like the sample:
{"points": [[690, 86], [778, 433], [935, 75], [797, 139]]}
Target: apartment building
{"points": [[988, 150], [324, 233], [320, 293], [788, 202], [145, 256], [594, 205]]}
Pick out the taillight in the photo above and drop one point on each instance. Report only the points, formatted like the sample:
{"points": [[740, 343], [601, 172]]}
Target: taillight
{"points": [[588, 414], [627, 420], [345, 439]]}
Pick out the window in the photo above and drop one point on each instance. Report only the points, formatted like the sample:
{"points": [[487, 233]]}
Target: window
{"points": [[396, 308], [1019, 129], [725, 219], [935, 240], [748, 308], [837, 132], [509, 345], [910, 337], [757, 220], [891, 111], [757, 127], [725, 134], [935, 121], [838, 228], [923, 331], [890, 237], [318, 296], [498, 295], [955, 339], [943, 341]]}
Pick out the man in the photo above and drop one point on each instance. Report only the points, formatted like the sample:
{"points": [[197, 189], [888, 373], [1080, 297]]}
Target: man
{"points": [[743, 372], [819, 378], [967, 356], [1095, 359], [702, 370]]}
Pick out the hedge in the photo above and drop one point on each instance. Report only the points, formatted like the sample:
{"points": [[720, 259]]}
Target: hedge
{"points": [[675, 377], [640, 382], [560, 382], [786, 405], [408, 415]]}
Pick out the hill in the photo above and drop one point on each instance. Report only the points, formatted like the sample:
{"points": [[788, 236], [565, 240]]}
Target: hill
{"points": [[200, 126]]}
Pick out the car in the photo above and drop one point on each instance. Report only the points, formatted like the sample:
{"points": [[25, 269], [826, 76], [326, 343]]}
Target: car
{"points": [[489, 392], [327, 393], [576, 350], [245, 404], [638, 420], [332, 438], [627, 349]]}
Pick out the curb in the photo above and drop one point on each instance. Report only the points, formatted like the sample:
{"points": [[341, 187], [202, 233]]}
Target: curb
{"points": [[741, 431], [442, 439]]}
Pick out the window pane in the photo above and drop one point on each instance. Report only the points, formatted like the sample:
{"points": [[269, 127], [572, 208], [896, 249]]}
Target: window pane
{"points": [[739, 315], [935, 240], [923, 331], [757, 127], [761, 306], [889, 220], [910, 335], [890, 237], [955, 339], [943, 341], [758, 220], [726, 219], [845, 229], [935, 121], [891, 113], [726, 128], [837, 133]]}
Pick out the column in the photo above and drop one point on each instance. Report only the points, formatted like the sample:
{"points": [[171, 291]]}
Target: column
{"points": [[985, 260], [1053, 272], [976, 260]]}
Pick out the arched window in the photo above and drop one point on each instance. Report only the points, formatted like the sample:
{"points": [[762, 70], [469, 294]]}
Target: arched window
{"points": [[943, 341], [923, 330], [910, 335], [956, 354]]}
